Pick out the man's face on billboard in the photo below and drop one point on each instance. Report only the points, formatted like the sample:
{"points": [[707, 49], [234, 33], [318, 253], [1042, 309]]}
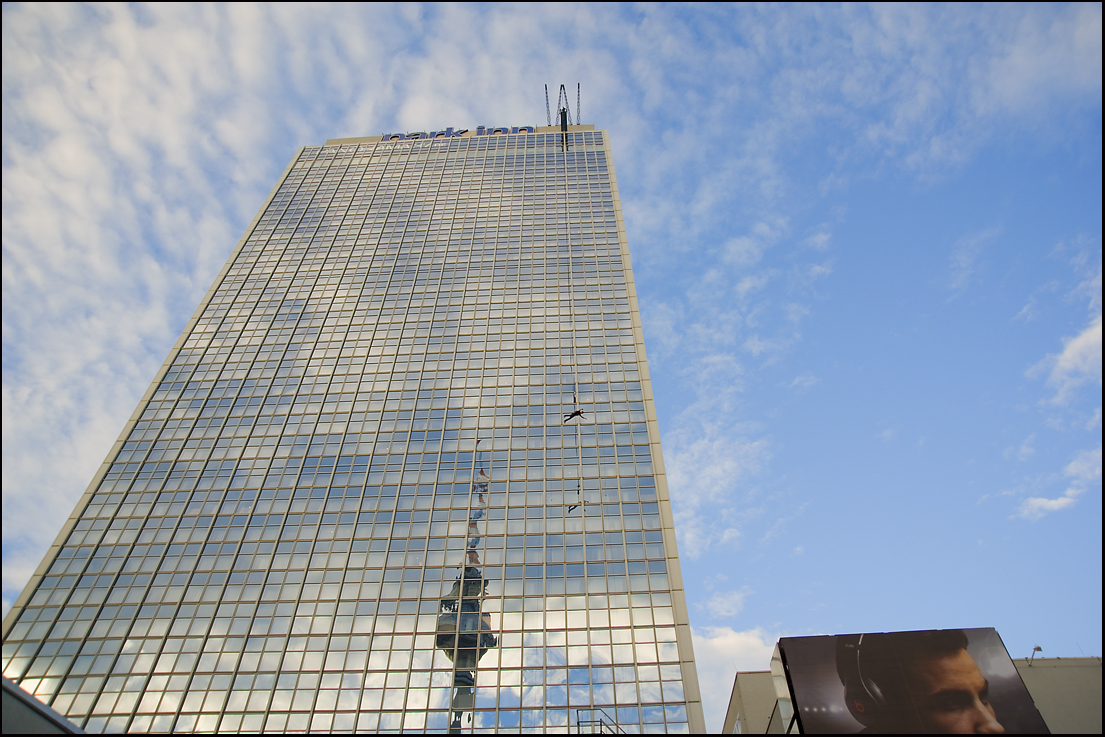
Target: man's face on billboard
{"points": [[953, 696]]}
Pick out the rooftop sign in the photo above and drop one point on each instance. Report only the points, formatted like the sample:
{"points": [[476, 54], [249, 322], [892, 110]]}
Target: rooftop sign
{"points": [[460, 133]]}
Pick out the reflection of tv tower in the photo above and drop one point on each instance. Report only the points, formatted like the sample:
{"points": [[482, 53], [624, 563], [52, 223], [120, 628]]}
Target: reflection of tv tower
{"points": [[463, 629], [479, 504]]}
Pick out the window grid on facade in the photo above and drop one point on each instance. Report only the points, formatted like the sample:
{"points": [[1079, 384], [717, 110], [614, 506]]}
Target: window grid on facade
{"points": [[371, 400]]}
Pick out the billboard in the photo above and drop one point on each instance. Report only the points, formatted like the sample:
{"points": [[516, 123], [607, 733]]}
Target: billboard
{"points": [[931, 681]]}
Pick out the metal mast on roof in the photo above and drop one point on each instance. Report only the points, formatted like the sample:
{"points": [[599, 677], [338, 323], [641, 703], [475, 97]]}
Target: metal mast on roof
{"points": [[563, 107], [563, 112]]}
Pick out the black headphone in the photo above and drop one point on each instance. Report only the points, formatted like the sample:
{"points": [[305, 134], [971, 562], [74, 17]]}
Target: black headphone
{"points": [[866, 701]]}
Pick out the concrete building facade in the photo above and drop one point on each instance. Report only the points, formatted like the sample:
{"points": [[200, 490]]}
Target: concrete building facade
{"points": [[401, 471]]}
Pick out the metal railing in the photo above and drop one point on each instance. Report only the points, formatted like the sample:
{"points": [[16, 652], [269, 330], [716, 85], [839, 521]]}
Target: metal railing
{"points": [[603, 724]]}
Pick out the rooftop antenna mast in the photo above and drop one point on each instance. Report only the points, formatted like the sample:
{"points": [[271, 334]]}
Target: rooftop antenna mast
{"points": [[563, 107], [563, 111]]}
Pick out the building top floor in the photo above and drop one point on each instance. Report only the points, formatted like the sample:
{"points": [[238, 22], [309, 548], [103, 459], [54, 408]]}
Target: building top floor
{"points": [[451, 132]]}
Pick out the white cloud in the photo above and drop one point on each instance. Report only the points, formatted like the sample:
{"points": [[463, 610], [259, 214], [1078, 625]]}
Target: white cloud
{"points": [[749, 249], [1036, 507], [1090, 286], [1024, 452], [781, 523], [711, 459], [720, 652], [1028, 312], [727, 604], [730, 535], [812, 272], [749, 284], [796, 312], [706, 474], [745, 251], [805, 381], [888, 434], [1079, 363], [663, 325], [819, 241], [1084, 470], [1045, 58], [965, 256], [768, 347]]}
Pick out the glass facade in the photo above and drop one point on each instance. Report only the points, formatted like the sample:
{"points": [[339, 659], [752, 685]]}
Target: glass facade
{"points": [[400, 472]]}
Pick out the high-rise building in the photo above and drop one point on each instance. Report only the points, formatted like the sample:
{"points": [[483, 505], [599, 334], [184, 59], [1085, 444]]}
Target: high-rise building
{"points": [[401, 471]]}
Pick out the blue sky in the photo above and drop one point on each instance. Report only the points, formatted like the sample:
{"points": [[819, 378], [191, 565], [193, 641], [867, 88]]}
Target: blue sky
{"points": [[867, 243]]}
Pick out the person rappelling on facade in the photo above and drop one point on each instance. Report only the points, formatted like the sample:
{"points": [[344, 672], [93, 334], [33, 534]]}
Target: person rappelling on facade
{"points": [[577, 412], [579, 498]]}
